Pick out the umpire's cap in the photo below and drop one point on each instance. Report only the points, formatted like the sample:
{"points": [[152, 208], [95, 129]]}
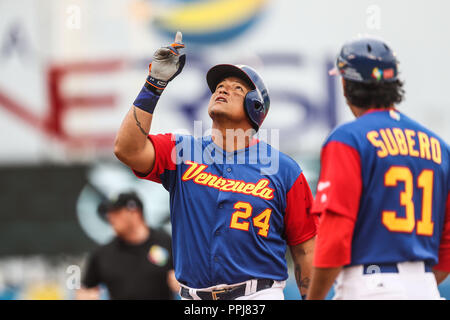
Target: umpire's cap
{"points": [[367, 60], [257, 102], [128, 200]]}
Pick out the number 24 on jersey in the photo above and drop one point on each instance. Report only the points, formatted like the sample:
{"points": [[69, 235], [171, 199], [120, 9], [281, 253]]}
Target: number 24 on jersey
{"points": [[240, 219]]}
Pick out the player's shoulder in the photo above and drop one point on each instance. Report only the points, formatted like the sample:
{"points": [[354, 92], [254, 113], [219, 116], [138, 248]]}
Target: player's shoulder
{"points": [[416, 125], [348, 133], [353, 133], [188, 147], [183, 139], [287, 165], [352, 130]]}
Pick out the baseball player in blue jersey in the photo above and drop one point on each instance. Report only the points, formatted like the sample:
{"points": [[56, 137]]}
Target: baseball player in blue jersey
{"points": [[233, 212], [383, 193]]}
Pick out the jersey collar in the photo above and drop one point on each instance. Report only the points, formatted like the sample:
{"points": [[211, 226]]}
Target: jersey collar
{"points": [[252, 143], [373, 110]]}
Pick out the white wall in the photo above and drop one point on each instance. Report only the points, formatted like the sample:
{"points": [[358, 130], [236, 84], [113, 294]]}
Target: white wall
{"points": [[304, 35]]}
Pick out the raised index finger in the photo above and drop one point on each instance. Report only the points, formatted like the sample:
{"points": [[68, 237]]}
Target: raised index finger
{"points": [[179, 37]]}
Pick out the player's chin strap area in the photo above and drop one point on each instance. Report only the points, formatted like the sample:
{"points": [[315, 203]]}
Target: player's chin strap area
{"points": [[226, 292]]}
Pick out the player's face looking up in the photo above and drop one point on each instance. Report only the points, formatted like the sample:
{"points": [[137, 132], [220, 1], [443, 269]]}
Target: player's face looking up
{"points": [[227, 102]]}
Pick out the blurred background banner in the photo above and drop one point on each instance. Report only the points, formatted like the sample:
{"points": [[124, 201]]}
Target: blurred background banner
{"points": [[70, 69]]}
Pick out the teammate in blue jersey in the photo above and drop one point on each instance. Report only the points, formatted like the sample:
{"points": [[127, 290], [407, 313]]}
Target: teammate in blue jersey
{"points": [[383, 193], [235, 202]]}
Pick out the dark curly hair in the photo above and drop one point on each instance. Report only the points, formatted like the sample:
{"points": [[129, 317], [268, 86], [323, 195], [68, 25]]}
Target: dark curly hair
{"points": [[374, 95]]}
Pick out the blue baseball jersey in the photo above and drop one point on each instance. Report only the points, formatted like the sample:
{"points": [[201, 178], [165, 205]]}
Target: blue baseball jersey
{"points": [[232, 213], [390, 177]]}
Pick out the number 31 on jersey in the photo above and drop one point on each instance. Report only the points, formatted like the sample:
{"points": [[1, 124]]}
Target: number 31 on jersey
{"points": [[391, 221]]}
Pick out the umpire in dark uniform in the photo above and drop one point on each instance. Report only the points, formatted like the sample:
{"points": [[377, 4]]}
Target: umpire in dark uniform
{"points": [[137, 264]]}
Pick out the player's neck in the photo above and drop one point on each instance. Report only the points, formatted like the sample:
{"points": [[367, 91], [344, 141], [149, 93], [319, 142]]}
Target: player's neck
{"points": [[231, 138], [358, 112]]}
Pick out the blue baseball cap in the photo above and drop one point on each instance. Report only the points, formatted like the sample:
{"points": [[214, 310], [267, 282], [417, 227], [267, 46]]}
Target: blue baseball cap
{"points": [[367, 60]]}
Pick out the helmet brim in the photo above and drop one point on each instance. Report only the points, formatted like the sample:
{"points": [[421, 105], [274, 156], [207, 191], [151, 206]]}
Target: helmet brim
{"points": [[221, 71]]}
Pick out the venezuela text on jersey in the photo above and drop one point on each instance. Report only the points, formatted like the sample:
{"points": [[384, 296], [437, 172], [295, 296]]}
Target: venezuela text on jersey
{"points": [[195, 173]]}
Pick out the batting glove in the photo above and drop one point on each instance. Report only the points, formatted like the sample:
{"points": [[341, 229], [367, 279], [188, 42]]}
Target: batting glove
{"points": [[167, 63]]}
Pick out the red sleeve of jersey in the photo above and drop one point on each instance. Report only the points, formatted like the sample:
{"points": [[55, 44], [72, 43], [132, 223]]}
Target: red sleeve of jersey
{"points": [[340, 184], [334, 241], [444, 248], [164, 145], [299, 224], [337, 204]]}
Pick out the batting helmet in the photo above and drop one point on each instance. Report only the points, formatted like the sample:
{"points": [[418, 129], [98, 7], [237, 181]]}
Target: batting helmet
{"points": [[256, 102], [367, 60]]}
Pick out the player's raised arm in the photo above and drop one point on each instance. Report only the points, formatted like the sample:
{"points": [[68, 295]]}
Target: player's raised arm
{"points": [[131, 145]]}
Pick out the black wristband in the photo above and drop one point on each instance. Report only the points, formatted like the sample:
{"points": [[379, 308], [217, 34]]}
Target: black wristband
{"points": [[154, 85]]}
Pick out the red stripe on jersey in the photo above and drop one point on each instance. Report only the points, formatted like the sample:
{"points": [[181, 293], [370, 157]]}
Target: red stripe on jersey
{"points": [[337, 204], [444, 248], [300, 225], [164, 145]]}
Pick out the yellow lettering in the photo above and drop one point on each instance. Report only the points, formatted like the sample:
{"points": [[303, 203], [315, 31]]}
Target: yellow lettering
{"points": [[201, 178], [389, 141], [211, 180], [193, 171], [411, 142], [436, 153], [238, 187], [229, 185], [260, 185], [372, 137], [424, 145], [248, 188], [261, 190], [207, 179], [219, 183], [401, 141], [267, 193]]}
